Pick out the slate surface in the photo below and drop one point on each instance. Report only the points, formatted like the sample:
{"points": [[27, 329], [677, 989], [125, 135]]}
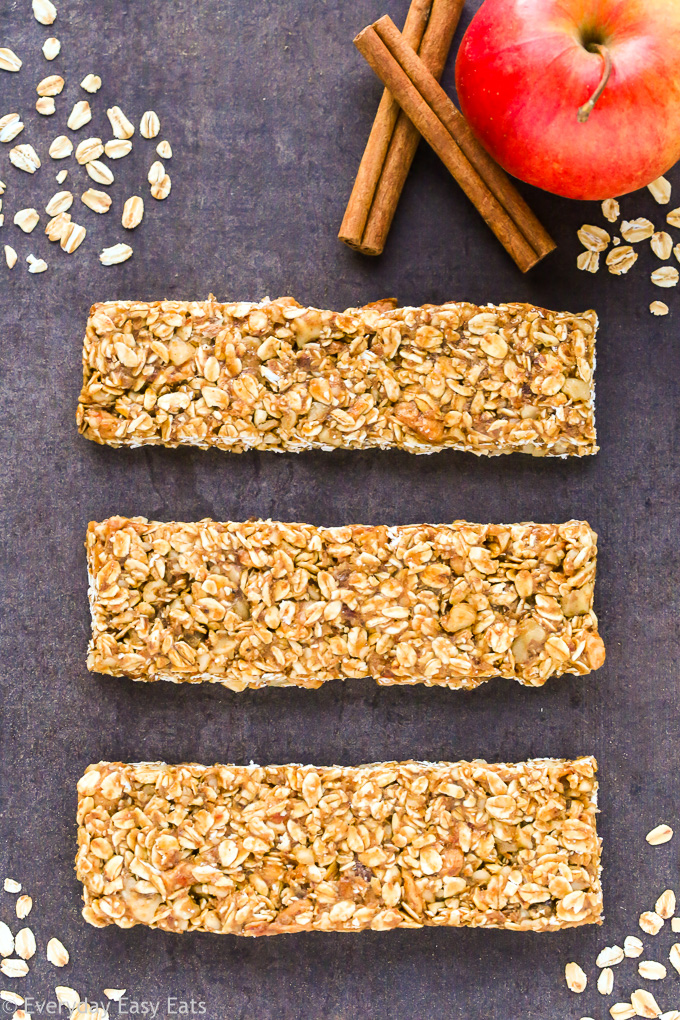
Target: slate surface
{"points": [[267, 107]]}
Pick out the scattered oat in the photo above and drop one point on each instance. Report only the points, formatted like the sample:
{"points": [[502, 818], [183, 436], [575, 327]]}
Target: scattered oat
{"points": [[67, 996], [156, 173], [115, 994], [637, 230], [662, 244], [61, 176], [591, 237], [80, 115], [14, 968], [665, 905], [45, 106], [673, 217], [575, 978], [644, 1004], [24, 157], [10, 126], [674, 956], [72, 238], [622, 1011], [133, 211], [99, 172], [11, 885], [50, 86], [60, 202], [24, 943], [675, 924], [91, 83], [605, 982], [11, 260], [651, 970], [26, 219], [13, 997], [661, 190], [23, 906], [620, 260], [676, 252], [611, 210], [56, 228], [44, 11], [51, 48], [36, 265], [56, 953], [589, 261], [150, 125], [97, 201], [2, 187], [9, 61], [115, 254], [121, 126], [161, 190], [609, 956], [21, 1014], [673, 1014], [651, 922], [89, 149], [61, 147], [632, 946], [6, 937], [164, 149], [667, 276], [117, 148]]}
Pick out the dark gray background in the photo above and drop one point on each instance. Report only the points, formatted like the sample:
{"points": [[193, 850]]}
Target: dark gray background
{"points": [[267, 106]]}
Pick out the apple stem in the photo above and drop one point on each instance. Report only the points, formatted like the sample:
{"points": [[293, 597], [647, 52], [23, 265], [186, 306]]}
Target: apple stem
{"points": [[587, 108]]}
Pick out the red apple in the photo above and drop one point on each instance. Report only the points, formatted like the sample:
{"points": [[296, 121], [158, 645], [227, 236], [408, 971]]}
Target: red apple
{"points": [[527, 67]]}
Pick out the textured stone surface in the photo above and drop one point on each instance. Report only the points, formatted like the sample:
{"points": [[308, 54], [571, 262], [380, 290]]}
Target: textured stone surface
{"points": [[267, 107]]}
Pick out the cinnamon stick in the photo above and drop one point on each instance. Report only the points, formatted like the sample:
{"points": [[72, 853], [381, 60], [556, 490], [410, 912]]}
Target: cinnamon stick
{"points": [[429, 29]]}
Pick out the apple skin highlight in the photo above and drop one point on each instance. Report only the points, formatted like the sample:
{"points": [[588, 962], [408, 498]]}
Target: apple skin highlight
{"points": [[524, 69]]}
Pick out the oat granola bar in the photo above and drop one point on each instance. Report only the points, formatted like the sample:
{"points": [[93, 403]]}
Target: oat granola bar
{"points": [[263, 603], [278, 376], [263, 850]]}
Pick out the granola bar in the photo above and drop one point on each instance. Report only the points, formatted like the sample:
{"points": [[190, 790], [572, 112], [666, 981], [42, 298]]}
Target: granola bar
{"points": [[263, 603], [278, 376], [263, 850]]}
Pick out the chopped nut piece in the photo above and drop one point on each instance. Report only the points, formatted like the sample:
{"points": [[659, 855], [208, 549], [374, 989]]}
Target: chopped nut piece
{"points": [[665, 905], [673, 217], [622, 1011], [12, 886], [99, 172], [609, 956], [50, 86], [373, 875], [89, 149], [651, 922], [115, 994], [10, 259], [61, 147], [91, 83], [80, 115], [120, 125], [588, 261], [56, 953], [36, 265], [23, 906], [10, 126], [575, 978], [369, 362], [24, 943], [156, 173], [661, 190], [662, 244], [60, 202], [13, 968], [26, 219], [117, 148], [133, 211], [57, 227], [611, 210], [61, 176], [605, 981], [161, 190], [620, 260], [667, 276], [67, 996], [45, 106], [116, 254], [150, 125], [13, 997], [651, 970], [97, 201], [164, 149], [632, 946], [674, 956], [644, 1004], [44, 11], [6, 940], [72, 237], [24, 157], [9, 61], [637, 230], [659, 308], [593, 238], [51, 48]]}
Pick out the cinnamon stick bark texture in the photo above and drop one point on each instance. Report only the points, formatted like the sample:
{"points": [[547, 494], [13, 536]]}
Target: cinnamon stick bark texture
{"points": [[445, 129], [278, 376], [264, 850], [262, 603], [393, 141]]}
